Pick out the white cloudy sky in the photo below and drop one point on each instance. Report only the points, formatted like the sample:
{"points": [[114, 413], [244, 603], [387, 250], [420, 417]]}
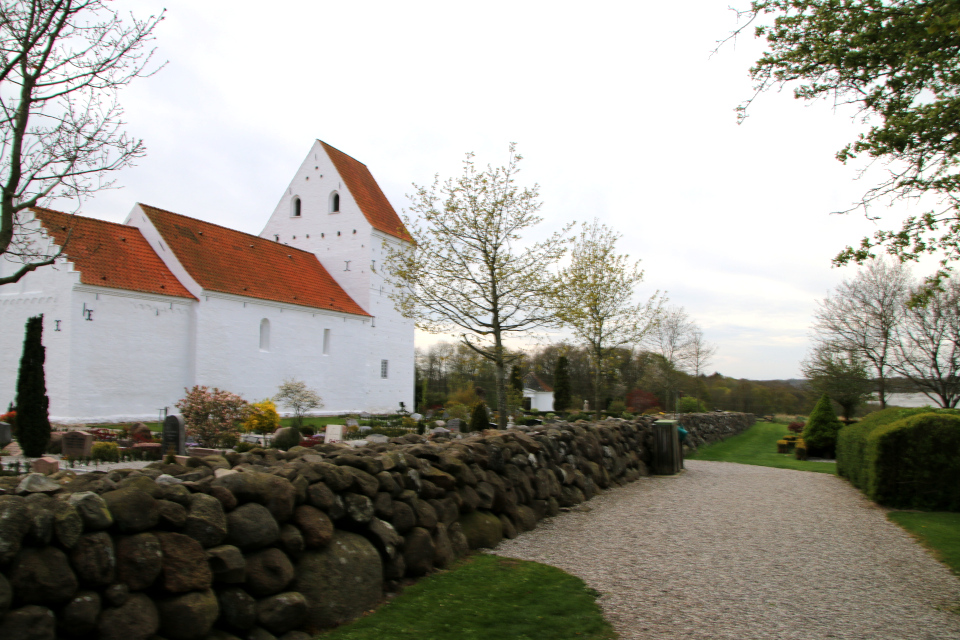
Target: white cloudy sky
{"points": [[619, 109]]}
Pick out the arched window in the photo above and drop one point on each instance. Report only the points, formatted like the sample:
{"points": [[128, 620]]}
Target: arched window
{"points": [[334, 202], [264, 335], [295, 207]]}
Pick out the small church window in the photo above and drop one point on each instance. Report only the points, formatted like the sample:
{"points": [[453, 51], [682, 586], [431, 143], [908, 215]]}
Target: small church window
{"points": [[383, 368], [334, 202], [326, 342], [295, 210], [264, 335]]}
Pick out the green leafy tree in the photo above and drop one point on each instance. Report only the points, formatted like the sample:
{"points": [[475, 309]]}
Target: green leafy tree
{"points": [[212, 416], [33, 422], [561, 385], [470, 271], [479, 419], [594, 297], [842, 375], [820, 432], [897, 62], [62, 64]]}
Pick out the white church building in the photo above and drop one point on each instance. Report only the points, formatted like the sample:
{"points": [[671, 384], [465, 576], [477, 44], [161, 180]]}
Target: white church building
{"points": [[135, 313]]}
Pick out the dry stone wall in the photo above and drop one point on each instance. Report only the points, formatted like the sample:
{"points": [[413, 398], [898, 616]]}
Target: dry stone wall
{"points": [[276, 544]]}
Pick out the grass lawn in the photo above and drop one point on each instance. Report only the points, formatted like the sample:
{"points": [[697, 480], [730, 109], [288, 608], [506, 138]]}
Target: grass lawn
{"points": [[939, 531], [758, 446], [486, 597]]}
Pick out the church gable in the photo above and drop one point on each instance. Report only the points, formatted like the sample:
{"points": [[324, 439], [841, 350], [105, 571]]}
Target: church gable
{"points": [[367, 194], [229, 261], [112, 255]]}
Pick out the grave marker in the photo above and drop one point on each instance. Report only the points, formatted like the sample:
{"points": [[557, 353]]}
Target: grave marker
{"points": [[454, 425], [174, 435], [45, 465], [76, 444], [334, 433]]}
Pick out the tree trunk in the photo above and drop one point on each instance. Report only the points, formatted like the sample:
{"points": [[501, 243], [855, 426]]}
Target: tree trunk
{"points": [[596, 388], [882, 391], [501, 376]]}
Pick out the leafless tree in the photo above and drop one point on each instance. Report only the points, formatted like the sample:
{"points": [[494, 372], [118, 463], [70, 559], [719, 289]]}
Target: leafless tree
{"points": [[669, 338], [928, 349], [62, 63], [699, 355], [863, 314]]}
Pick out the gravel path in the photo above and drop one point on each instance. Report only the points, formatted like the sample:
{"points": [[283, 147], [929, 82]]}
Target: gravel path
{"points": [[742, 552]]}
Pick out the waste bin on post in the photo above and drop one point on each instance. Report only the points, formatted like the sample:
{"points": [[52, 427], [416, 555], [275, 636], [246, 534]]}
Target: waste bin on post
{"points": [[666, 448]]}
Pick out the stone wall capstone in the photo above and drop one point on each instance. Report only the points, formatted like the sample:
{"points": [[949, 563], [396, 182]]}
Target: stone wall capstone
{"points": [[273, 544]]}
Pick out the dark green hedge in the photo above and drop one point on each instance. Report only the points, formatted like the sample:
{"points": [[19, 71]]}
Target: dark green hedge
{"points": [[905, 458]]}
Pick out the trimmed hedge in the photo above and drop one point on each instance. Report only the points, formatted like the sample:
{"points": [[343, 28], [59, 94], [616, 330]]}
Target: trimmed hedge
{"points": [[820, 432], [905, 458]]}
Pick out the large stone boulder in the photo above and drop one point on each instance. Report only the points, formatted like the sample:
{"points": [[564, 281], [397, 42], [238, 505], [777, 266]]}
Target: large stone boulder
{"points": [[40, 514], [92, 510], [238, 609], [136, 619], [482, 529], [184, 564], [188, 616], [228, 564], [29, 623], [14, 524], [139, 560], [283, 612], [94, 559], [206, 522], [42, 576], [339, 582], [251, 526], [79, 616], [273, 492], [268, 572], [133, 510], [418, 551], [67, 523], [316, 527]]}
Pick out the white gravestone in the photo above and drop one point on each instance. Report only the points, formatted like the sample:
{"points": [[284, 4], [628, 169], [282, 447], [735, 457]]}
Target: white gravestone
{"points": [[334, 433]]}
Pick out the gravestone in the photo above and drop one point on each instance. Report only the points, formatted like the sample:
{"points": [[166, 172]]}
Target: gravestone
{"points": [[454, 425], [45, 465], [6, 434], [76, 444], [334, 433], [365, 429], [376, 438], [174, 435], [416, 416], [586, 405], [352, 423]]}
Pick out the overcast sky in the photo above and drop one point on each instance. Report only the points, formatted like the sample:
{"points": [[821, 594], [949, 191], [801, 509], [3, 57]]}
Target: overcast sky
{"points": [[619, 109]]}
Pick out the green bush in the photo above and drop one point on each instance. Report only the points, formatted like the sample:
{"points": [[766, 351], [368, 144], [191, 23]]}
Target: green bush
{"points": [[689, 404], [243, 447], [820, 432], [479, 419], [105, 451], [852, 440]]}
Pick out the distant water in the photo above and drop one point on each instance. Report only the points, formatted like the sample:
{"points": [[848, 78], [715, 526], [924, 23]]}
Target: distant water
{"points": [[909, 400]]}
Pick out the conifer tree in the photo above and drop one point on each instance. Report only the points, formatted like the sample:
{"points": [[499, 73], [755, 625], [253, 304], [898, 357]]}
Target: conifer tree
{"points": [[516, 382], [821, 430], [561, 385], [479, 420], [33, 423]]}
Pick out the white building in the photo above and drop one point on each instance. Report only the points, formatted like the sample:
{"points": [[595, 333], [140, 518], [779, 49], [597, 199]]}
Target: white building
{"points": [[134, 313], [538, 393]]}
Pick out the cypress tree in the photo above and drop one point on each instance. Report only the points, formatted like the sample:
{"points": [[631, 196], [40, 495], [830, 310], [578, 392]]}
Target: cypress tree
{"points": [[561, 385], [479, 420], [516, 382], [33, 423], [820, 432]]}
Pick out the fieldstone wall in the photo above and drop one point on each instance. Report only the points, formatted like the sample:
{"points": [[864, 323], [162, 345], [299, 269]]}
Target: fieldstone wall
{"points": [[706, 428], [275, 544]]}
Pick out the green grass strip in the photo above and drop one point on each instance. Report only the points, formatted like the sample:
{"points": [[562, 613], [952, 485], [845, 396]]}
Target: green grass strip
{"points": [[939, 531], [758, 446], [487, 597]]}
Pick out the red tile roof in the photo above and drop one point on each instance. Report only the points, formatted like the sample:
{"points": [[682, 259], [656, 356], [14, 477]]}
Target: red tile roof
{"points": [[367, 194], [230, 261], [110, 254]]}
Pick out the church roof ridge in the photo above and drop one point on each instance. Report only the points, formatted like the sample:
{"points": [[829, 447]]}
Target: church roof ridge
{"points": [[242, 264], [105, 258]]}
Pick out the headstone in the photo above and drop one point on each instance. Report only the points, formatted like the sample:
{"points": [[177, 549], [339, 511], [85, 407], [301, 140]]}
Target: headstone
{"points": [[352, 423], [586, 405], [446, 415], [365, 429], [375, 438], [6, 434], [174, 435], [153, 448], [454, 425], [45, 465], [76, 444], [416, 416], [334, 433]]}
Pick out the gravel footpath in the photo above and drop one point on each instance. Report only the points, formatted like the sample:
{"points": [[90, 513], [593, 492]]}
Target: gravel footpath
{"points": [[742, 552]]}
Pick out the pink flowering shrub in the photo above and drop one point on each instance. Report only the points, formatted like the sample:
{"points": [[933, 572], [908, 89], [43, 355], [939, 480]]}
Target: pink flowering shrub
{"points": [[212, 415]]}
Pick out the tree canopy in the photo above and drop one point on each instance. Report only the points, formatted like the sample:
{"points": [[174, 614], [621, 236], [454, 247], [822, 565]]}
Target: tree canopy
{"points": [[898, 63]]}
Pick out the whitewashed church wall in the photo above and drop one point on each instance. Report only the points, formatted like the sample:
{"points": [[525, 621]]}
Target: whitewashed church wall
{"points": [[132, 357], [229, 354]]}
